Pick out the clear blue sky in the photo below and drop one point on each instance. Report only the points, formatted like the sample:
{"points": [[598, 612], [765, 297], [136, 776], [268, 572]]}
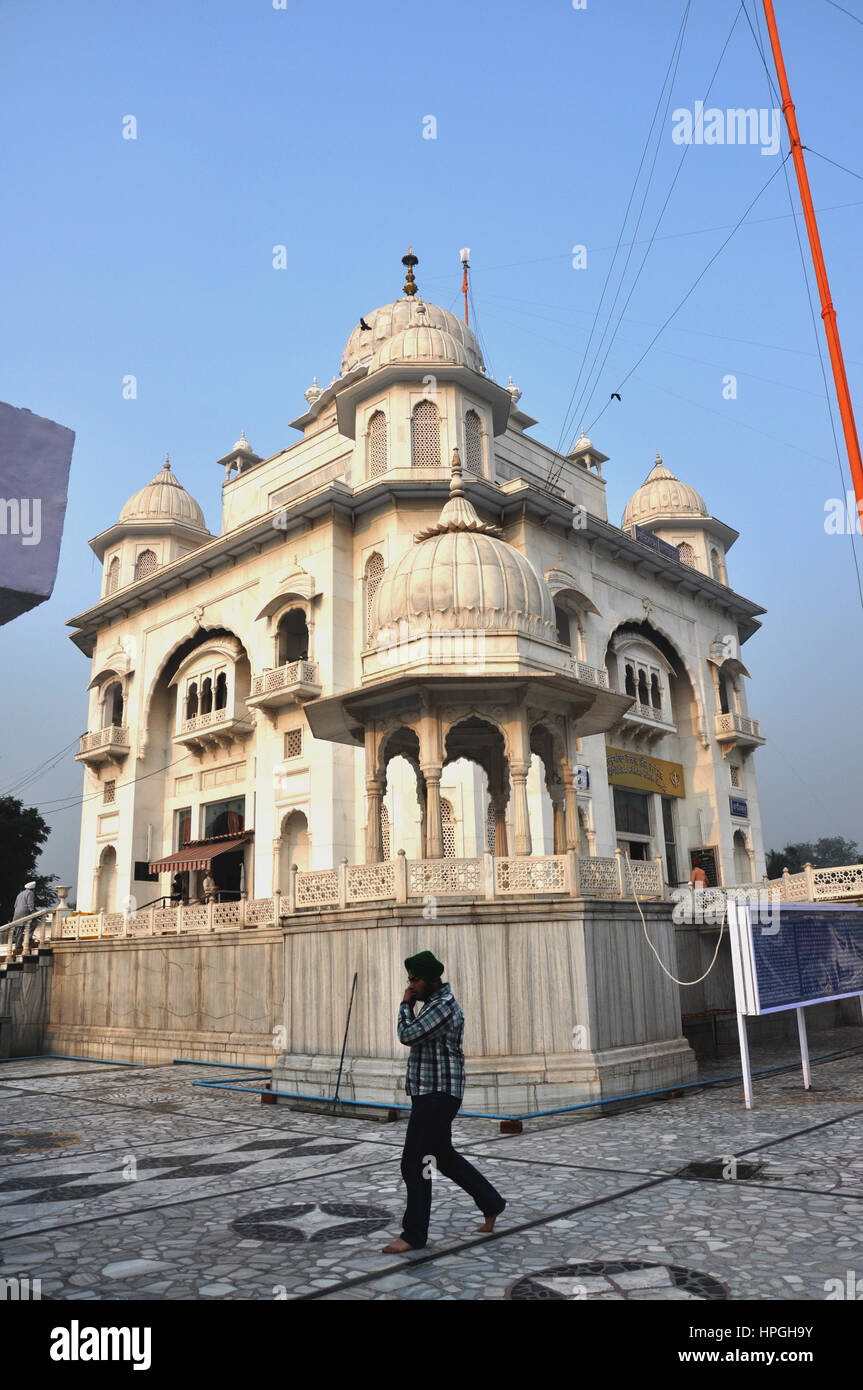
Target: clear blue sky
{"points": [[303, 127]]}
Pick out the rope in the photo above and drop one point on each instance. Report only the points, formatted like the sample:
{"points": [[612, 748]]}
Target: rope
{"points": [[662, 964]]}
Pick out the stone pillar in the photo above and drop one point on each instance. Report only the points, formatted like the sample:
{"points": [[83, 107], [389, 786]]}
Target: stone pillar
{"points": [[571, 803], [277, 846], [499, 804], [434, 830], [557, 794], [374, 799], [521, 816]]}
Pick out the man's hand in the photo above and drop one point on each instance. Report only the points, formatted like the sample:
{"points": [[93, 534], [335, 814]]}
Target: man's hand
{"points": [[409, 997]]}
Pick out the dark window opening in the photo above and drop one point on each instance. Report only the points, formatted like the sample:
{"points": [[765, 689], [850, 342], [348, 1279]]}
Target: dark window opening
{"points": [[221, 690], [192, 701], [631, 812], [563, 633], [293, 637], [224, 817]]}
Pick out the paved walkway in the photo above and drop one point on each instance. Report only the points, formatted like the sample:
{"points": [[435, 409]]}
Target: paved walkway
{"points": [[125, 1183]]}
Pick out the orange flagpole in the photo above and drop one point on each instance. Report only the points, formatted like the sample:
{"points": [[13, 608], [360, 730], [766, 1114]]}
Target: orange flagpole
{"points": [[828, 313]]}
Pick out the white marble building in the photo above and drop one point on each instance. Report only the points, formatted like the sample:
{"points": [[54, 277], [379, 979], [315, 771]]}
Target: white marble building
{"points": [[593, 669]]}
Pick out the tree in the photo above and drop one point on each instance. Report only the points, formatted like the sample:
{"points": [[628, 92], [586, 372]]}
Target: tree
{"points": [[825, 853], [23, 832]]}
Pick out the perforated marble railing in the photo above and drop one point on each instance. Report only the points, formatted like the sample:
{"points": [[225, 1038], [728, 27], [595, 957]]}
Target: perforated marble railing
{"points": [[418, 881]]}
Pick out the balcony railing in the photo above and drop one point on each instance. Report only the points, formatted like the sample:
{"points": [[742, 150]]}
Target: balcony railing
{"points": [[216, 726], [738, 727], [590, 675], [103, 745], [295, 681]]}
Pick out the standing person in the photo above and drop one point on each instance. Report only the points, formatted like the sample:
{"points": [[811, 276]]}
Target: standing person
{"points": [[209, 887], [177, 888], [698, 878], [25, 903], [435, 1084]]}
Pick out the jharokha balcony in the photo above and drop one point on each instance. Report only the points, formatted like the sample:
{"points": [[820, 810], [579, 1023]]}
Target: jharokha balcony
{"points": [[219, 726], [738, 729], [286, 685], [104, 746]]}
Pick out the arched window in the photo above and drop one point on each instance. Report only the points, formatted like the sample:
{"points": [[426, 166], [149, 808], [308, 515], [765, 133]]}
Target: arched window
{"points": [[425, 435], [448, 828], [145, 564], [687, 554], [643, 697], [724, 702], [113, 576], [564, 636], [473, 443], [385, 832], [221, 690], [192, 700], [629, 684], [374, 573], [112, 710], [376, 445], [294, 847], [206, 695], [716, 566], [655, 692], [293, 637]]}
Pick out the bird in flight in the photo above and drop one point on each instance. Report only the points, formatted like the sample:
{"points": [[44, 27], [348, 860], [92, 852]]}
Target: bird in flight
{"points": [[615, 396], [366, 327]]}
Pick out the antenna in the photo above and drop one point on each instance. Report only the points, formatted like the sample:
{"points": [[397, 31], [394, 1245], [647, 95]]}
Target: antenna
{"points": [[464, 255]]}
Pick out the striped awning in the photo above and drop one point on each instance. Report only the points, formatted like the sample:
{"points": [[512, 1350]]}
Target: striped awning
{"points": [[200, 854]]}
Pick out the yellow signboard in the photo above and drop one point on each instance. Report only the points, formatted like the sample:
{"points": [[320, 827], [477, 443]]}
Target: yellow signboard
{"points": [[644, 774]]}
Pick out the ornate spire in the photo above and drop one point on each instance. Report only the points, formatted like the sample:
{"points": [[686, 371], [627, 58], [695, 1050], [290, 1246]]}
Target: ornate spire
{"points": [[166, 466], [410, 260], [458, 513]]}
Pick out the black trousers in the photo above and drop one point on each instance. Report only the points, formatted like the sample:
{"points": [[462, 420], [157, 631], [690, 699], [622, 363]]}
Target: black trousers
{"points": [[429, 1142]]}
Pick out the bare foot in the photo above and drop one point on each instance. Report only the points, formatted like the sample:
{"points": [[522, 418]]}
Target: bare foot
{"points": [[396, 1247], [487, 1225]]}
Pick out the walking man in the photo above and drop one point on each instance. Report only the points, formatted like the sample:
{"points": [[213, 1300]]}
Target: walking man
{"points": [[25, 903], [435, 1084]]}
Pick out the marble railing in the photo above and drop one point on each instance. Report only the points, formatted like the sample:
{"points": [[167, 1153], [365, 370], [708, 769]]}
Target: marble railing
{"points": [[737, 724], [285, 677], [394, 881]]}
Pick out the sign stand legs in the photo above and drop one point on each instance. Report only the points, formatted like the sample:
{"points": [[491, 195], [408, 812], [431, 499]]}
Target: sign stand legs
{"points": [[744, 1059], [804, 1048]]}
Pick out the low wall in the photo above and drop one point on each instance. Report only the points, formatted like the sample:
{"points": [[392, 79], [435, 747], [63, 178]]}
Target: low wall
{"points": [[563, 1001], [25, 998], [217, 997]]}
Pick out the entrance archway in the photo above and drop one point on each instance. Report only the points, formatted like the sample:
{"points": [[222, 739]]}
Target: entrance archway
{"points": [[476, 740], [294, 846]]}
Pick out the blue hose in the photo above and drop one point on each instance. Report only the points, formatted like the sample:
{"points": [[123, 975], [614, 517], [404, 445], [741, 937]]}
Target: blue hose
{"points": [[530, 1114], [64, 1057]]}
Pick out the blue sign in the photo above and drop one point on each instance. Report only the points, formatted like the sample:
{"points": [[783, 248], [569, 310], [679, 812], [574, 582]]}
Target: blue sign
{"points": [[813, 954], [582, 778], [738, 806]]}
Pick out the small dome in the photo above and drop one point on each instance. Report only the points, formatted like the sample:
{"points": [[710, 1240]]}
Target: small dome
{"points": [[243, 444], [581, 443], [164, 499], [662, 495], [425, 333], [461, 574]]}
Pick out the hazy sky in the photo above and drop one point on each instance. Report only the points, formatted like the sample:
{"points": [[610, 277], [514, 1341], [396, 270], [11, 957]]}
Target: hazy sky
{"points": [[304, 127]]}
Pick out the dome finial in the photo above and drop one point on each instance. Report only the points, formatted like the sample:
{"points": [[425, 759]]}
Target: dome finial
{"points": [[456, 487], [410, 260], [167, 464], [658, 457]]}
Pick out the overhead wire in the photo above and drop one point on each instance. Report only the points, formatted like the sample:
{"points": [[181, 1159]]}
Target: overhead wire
{"points": [[585, 407], [623, 380], [668, 81]]}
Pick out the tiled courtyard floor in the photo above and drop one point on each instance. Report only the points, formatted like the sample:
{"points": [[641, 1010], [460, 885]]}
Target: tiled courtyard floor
{"points": [[130, 1183]]}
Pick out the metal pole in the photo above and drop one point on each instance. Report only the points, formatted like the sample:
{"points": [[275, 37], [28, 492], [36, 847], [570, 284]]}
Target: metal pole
{"points": [[828, 313], [744, 1059], [804, 1048], [345, 1041]]}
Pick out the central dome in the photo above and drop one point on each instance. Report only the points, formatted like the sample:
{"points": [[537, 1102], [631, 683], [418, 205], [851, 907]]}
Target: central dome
{"points": [[411, 330], [461, 574]]}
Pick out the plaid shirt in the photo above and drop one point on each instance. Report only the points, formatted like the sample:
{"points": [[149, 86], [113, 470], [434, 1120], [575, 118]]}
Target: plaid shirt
{"points": [[434, 1036]]}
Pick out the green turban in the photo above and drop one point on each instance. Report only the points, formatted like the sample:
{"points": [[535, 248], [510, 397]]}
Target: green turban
{"points": [[425, 966]]}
